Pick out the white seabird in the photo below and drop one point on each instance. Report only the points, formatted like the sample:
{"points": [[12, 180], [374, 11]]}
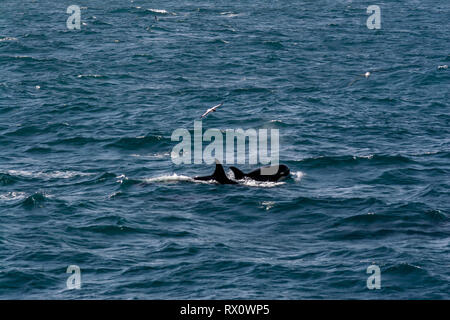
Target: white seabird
{"points": [[213, 109]]}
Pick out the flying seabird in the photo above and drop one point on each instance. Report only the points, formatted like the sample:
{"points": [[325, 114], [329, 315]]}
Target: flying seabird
{"points": [[213, 109]]}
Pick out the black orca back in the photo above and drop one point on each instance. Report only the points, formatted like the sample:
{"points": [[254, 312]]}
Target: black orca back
{"points": [[238, 174], [219, 175], [256, 175]]}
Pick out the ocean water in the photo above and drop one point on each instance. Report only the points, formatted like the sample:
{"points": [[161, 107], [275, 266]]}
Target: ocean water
{"points": [[87, 179]]}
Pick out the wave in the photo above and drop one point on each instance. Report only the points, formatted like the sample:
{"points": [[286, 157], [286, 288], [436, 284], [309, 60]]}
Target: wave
{"points": [[77, 141], [260, 184], [96, 21], [126, 182], [7, 179], [159, 155], [170, 178], [116, 195], [38, 149], [407, 176], [436, 215], [402, 217], [35, 200], [131, 143], [90, 76], [418, 212], [276, 123], [49, 62], [48, 175], [250, 90], [106, 229], [12, 196], [297, 175], [335, 161], [24, 131], [143, 11], [336, 203], [99, 178], [366, 219], [8, 39], [404, 269], [230, 14], [160, 11], [273, 44]]}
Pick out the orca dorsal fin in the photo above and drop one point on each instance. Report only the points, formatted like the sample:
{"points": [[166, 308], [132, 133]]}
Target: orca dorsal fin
{"points": [[219, 172], [238, 174], [220, 176]]}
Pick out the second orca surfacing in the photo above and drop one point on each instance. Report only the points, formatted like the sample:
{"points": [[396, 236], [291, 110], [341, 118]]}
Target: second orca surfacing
{"points": [[281, 172], [220, 176]]}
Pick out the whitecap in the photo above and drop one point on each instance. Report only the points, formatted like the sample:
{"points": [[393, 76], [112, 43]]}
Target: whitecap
{"points": [[152, 155], [121, 178], [8, 39], [172, 178], [297, 175], [370, 156], [229, 14], [11, 196], [52, 174], [260, 184], [267, 204], [161, 11], [89, 76]]}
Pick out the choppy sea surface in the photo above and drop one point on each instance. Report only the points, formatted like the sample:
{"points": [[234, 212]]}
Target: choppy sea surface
{"points": [[87, 179]]}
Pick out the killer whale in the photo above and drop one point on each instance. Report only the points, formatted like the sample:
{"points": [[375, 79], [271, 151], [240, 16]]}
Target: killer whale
{"points": [[221, 177], [281, 172]]}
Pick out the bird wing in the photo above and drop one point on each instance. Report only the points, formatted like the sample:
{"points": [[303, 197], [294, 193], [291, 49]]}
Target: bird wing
{"points": [[212, 109], [215, 107], [207, 111]]}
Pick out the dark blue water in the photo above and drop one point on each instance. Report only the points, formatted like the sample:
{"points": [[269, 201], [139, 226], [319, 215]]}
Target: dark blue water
{"points": [[86, 176]]}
